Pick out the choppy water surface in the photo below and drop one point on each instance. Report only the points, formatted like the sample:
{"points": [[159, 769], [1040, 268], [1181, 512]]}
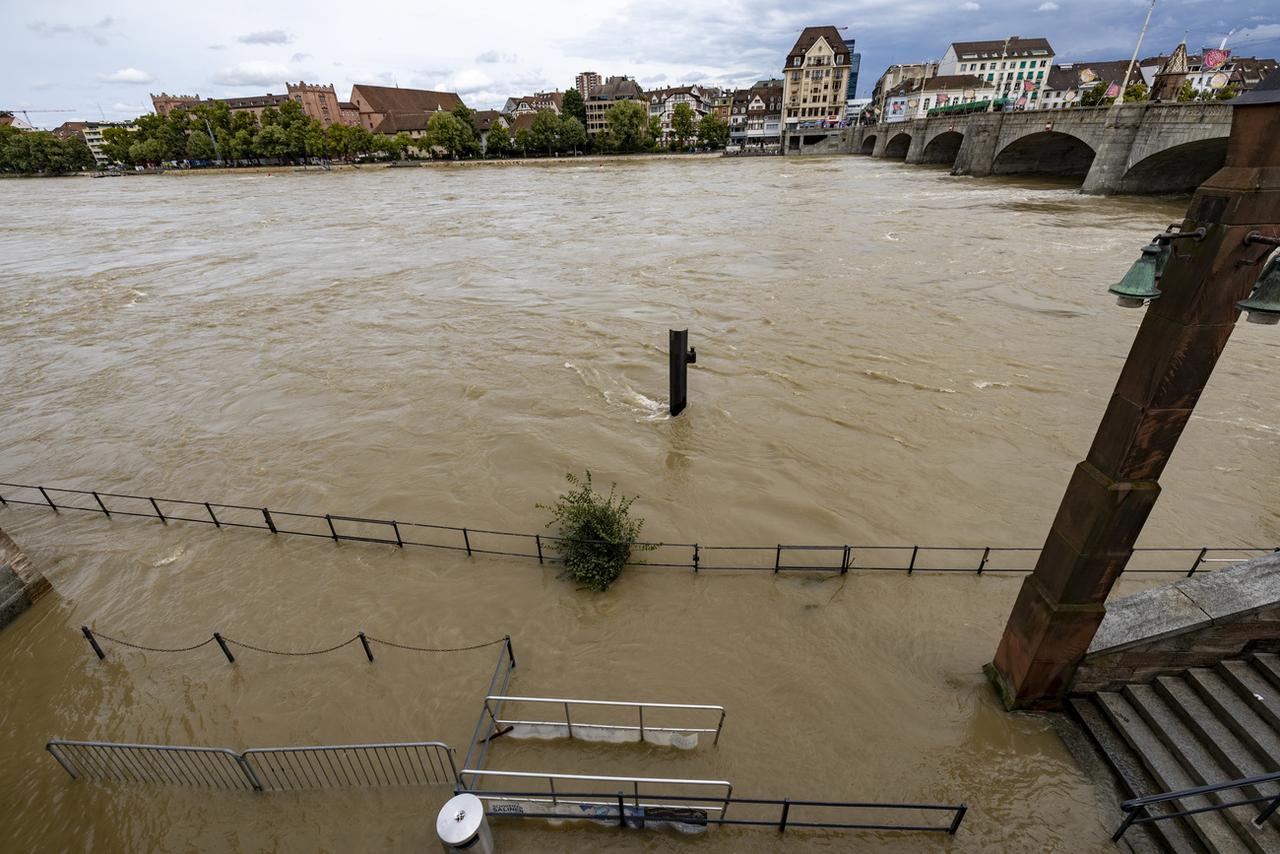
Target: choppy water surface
{"points": [[886, 354]]}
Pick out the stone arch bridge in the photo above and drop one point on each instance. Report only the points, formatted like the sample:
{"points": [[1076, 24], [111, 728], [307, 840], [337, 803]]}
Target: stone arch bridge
{"points": [[1130, 148]]}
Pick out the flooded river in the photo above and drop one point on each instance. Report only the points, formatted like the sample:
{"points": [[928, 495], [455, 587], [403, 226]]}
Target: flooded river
{"points": [[886, 354]]}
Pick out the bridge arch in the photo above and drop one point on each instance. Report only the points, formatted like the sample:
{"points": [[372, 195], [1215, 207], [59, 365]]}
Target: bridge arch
{"points": [[1179, 169], [869, 144], [898, 145], [943, 148], [1045, 153]]}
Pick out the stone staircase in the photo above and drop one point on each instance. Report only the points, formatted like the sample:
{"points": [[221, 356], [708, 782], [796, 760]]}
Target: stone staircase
{"points": [[1203, 726]]}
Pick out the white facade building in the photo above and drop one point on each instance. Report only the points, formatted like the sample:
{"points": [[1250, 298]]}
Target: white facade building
{"points": [[1017, 68]]}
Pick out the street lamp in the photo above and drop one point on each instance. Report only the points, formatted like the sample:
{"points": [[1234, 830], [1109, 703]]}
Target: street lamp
{"points": [[1140, 284], [1263, 304]]}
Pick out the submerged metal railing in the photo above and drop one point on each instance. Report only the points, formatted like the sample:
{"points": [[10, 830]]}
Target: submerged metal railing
{"points": [[1137, 810], [776, 558], [275, 769], [627, 806], [569, 721], [714, 798], [486, 723]]}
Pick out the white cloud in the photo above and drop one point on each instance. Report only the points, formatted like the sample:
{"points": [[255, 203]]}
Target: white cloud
{"points": [[126, 75], [1047, 7], [96, 32], [489, 56], [266, 37], [252, 72], [299, 57], [969, 7]]}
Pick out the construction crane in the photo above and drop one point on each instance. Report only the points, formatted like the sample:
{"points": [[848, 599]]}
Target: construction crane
{"points": [[26, 113]]}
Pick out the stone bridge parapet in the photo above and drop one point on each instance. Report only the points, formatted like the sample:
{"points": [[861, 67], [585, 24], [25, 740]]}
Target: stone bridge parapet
{"points": [[1129, 148]]}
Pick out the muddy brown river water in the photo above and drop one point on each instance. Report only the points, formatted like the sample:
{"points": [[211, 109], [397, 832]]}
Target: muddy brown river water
{"points": [[886, 354]]}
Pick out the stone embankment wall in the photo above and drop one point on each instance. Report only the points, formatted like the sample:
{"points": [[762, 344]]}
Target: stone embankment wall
{"points": [[21, 584], [1195, 622]]}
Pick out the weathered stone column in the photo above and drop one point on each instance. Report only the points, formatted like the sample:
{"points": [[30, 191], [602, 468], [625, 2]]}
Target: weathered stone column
{"points": [[1111, 160], [21, 584], [1111, 493], [981, 143]]}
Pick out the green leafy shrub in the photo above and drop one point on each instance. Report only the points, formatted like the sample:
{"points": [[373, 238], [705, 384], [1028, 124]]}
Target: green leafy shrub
{"points": [[596, 533]]}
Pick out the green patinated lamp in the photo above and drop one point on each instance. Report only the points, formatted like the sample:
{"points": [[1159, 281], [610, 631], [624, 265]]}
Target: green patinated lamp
{"points": [[1139, 284], [1263, 304]]}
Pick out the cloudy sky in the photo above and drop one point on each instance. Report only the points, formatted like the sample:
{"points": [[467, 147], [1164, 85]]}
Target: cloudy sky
{"points": [[102, 59]]}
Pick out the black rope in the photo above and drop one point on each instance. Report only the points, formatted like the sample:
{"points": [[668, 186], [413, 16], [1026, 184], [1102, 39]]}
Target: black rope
{"points": [[99, 634], [333, 648], [437, 649], [346, 642]]}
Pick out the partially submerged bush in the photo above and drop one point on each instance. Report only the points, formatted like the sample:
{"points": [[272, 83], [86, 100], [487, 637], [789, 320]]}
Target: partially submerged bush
{"points": [[597, 534]]}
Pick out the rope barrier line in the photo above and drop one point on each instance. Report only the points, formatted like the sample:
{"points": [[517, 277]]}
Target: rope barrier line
{"points": [[93, 636], [843, 558]]}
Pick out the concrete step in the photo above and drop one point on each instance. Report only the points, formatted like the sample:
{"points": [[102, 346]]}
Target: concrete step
{"points": [[1254, 689], [1231, 709], [1233, 755], [1133, 778], [1268, 664], [1212, 829], [1189, 747]]}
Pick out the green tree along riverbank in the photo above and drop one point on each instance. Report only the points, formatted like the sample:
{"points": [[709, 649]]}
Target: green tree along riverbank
{"points": [[214, 134], [41, 153]]}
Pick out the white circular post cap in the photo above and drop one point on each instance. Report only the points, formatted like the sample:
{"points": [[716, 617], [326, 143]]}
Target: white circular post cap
{"points": [[459, 819]]}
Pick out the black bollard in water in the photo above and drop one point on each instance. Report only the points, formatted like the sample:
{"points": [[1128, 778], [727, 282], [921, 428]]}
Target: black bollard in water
{"points": [[682, 355]]}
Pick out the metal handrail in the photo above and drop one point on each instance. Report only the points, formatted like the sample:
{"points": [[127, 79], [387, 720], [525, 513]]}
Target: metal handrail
{"points": [[260, 768], [783, 821], [1139, 814], [569, 723], [909, 559], [634, 782]]}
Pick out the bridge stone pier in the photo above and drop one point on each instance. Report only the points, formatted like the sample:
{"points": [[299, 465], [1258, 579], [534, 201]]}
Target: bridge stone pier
{"points": [[1130, 148]]}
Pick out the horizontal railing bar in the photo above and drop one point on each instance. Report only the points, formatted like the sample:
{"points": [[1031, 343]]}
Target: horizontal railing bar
{"points": [[540, 775], [1134, 803], [626, 703], [773, 566], [1149, 817], [730, 800], [372, 745], [577, 726]]}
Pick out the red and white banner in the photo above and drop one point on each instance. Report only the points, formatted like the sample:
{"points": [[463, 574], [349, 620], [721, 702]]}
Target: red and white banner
{"points": [[1028, 85], [942, 99], [1113, 90], [1214, 58]]}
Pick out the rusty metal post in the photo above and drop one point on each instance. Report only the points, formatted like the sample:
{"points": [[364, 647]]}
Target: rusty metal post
{"points": [[1112, 491]]}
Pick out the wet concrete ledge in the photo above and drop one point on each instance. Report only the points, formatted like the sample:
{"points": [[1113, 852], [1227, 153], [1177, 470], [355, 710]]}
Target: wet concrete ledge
{"points": [[1194, 622], [21, 584]]}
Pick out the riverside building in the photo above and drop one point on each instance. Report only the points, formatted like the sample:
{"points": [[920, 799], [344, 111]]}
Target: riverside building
{"points": [[602, 97], [815, 78], [1017, 67]]}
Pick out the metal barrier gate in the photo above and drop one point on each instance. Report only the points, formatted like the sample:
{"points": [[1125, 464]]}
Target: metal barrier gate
{"points": [[571, 725], [273, 769]]}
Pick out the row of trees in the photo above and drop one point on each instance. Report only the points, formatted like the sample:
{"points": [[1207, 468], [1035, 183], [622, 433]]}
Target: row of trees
{"points": [[210, 132], [1097, 96], [213, 132], [41, 153]]}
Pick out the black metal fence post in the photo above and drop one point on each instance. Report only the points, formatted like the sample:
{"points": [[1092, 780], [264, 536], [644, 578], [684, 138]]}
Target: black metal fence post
{"points": [[266, 514], [695, 557], [396, 527], [844, 561], [1199, 560], [911, 567], [48, 499], [622, 812], [511, 653], [467, 541], [537, 539], [955, 822], [364, 642], [222, 643], [156, 507], [786, 808], [986, 553], [681, 356], [212, 515], [332, 531], [93, 642], [777, 559], [105, 511]]}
